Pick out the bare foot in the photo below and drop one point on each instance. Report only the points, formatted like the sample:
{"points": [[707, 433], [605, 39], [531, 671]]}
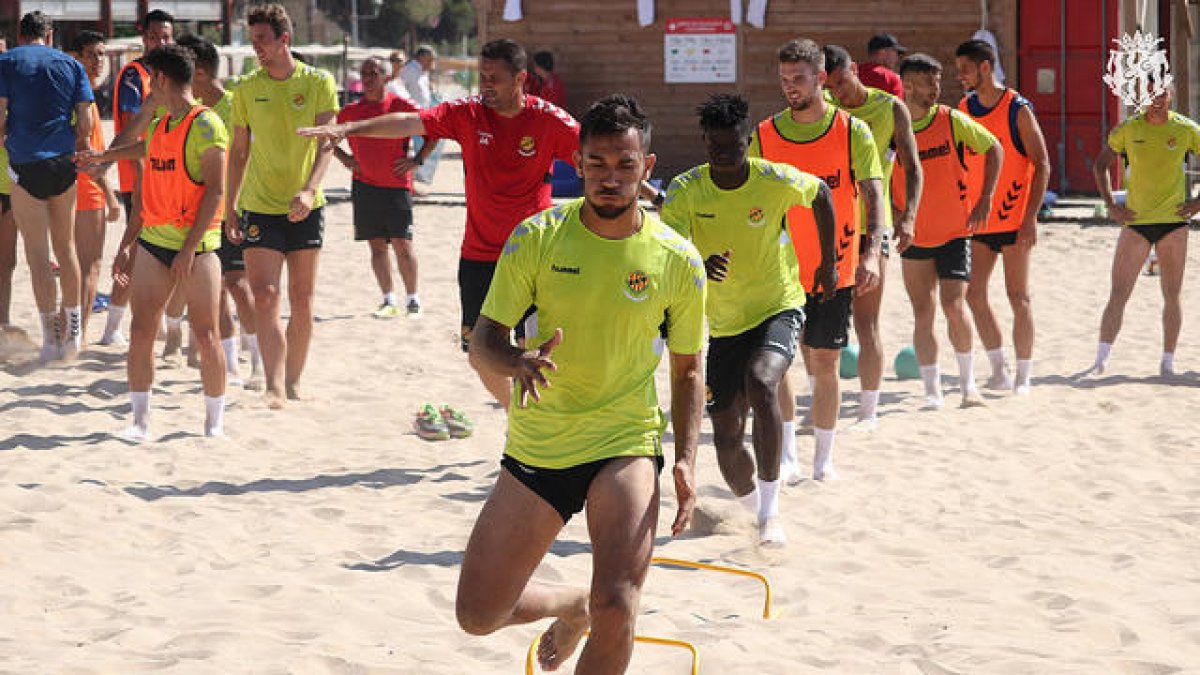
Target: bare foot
{"points": [[274, 399], [293, 392], [560, 640]]}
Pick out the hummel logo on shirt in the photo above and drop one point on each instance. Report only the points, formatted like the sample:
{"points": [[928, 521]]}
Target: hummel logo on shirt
{"points": [[564, 270], [706, 215]]}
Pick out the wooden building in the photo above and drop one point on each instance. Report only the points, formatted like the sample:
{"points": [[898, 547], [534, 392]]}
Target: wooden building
{"points": [[600, 48]]}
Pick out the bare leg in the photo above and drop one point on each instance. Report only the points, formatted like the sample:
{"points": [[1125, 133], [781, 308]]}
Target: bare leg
{"points": [[952, 293], [302, 282], [406, 260], [175, 307], [202, 296], [381, 265], [983, 263], [8, 264], [89, 245], [734, 460], [865, 311], [264, 267], [920, 281], [150, 287], [1172, 259], [1130, 255]]}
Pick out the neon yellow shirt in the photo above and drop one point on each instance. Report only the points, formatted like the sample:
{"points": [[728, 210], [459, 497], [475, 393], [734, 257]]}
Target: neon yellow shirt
{"points": [[764, 277], [224, 109], [207, 132], [1154, 154], [609, 296], [878, 111], [5, 180], [280, 161]]}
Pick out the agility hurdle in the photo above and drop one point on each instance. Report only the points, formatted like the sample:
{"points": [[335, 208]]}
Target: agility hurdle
{"points": [[531, 657], [675, 562]]}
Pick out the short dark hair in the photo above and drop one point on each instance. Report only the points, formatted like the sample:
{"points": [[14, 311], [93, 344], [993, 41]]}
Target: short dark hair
{"points": [[724, 111], [977, 51], [836, 58], [919, 63], [156, 16], [274, 15], [613, 115], [35, 25], [802, 50], [508, 51], [85, 39], [423, 50], [544, 60], [174, 61], [203, 51]]}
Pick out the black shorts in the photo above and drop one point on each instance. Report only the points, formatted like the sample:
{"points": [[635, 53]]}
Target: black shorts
{"points": [[1154, 232], [5, 204], [276, 232], [381, 212], [885, 245], [46, 178], [164, 255], [996, 240], [563, 489], [827, 324], [953, 258], [726, 365], [474, 280], [230, 254]]}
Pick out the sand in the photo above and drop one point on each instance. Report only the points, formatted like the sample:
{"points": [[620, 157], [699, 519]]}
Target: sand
{"points": [[1053, 534]]}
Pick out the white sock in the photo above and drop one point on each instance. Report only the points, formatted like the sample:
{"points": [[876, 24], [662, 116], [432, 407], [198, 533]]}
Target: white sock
{"points": [[49, 328], [229, 346], [768, 498], [1024, 372], [1102, 352], [749, 501], [214, 415], [868, 401], [966, 371], [113, 323], [140, 402], [412, 297], [996, 358], [1168, 362], [389, 298], [932, 377], [255, 354], [789, 443], [823, 456]]}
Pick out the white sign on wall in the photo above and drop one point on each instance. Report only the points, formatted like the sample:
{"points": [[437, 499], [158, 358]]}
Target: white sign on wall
{"points": [[700, 49]]}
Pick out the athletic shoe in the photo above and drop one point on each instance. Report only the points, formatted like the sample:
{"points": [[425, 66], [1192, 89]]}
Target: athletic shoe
{"points": [[100, 303], [386, 311], [771, 534], [429, 424], [414, 309], [116, 338], [458, 424]]}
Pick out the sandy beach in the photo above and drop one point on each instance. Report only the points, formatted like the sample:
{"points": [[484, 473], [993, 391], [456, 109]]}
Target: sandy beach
{"points": [[1058, 533]]}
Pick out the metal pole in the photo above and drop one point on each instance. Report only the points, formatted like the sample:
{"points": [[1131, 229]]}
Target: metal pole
{"points": [[106, 18], [354, 22], [1065, 182]]}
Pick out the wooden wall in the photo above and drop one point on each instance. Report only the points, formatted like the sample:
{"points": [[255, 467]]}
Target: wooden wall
{"points": [[599, 49]]}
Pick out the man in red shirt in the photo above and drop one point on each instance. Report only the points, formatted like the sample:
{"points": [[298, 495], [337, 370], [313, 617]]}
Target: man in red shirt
{"points": [[381, 192], [884, 52], [509, 141], [551, 87]]}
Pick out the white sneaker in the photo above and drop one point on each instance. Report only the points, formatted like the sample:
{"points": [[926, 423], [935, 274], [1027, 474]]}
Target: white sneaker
{"points": [[826, 472], [863, 426], [115, 338], [771, 534], [790, 474], [134, 432]]}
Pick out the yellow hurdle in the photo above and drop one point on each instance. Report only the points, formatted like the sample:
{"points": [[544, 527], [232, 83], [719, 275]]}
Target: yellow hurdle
{"points": [[722, 568], [531, 658]]}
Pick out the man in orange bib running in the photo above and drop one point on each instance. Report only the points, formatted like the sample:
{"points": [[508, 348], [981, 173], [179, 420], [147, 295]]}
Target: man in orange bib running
{"points": [[938, 263], [1011, 230]]}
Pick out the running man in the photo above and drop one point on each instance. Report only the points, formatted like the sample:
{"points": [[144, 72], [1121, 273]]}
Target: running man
{"points": [[382, 193], [130, 92], [509, 142], [96, 203], [1011, 230], [1155, 143], [605, 275], [938, 263], [275, 178], [41, 89], [182, 191], [208, 89], [891, 127], [733, 209], [819, 139]]}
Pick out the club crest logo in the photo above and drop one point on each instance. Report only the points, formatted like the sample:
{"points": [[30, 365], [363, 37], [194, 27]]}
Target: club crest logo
{"points": [[1172, 143], [298, 101], [253, 232], [636, 285], [527, 148], [755, 217]]}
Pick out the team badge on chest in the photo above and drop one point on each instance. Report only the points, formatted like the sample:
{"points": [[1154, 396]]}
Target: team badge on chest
{"points": [[527, 148], [755, 217], [637, 286]]}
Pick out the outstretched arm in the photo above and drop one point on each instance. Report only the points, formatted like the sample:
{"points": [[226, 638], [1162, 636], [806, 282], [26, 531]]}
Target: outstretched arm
{"points": [[391, 125]]}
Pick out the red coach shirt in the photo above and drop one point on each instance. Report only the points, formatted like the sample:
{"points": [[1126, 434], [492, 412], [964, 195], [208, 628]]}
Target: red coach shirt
{"points": [[881, 77], [507, 162], [376, 155]]}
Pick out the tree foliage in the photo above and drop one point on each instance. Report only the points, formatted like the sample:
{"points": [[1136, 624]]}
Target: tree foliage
{"points": [[405, 22]]}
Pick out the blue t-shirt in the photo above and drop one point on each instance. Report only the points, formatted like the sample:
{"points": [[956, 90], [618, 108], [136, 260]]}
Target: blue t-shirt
{"points": [[129, 91], [42, 86]]}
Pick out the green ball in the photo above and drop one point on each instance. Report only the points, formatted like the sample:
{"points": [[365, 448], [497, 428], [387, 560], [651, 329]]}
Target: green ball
{"points": [[906, 364], [848, 365]]}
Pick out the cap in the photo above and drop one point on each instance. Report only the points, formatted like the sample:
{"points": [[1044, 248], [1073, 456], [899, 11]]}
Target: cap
{"points": [[884, 41]]}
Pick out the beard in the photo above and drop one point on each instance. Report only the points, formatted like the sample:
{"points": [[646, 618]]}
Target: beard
{"points": [[802, 104], [611, 212]]}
